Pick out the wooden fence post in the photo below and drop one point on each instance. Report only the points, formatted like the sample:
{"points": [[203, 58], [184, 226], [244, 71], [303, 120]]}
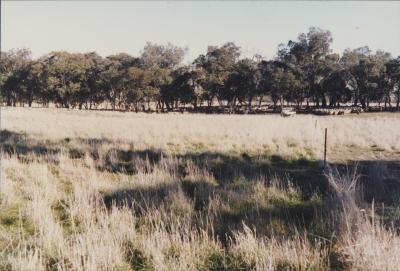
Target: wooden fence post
{"points": [[326, 138]]}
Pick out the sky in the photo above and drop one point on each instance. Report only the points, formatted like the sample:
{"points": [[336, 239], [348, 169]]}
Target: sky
{"points": [[110, 27]]}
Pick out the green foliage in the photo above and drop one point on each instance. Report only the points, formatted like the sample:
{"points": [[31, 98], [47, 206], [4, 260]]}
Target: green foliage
{"points": [[341, 86], [218, 260], [305, 70], [217, 65]]}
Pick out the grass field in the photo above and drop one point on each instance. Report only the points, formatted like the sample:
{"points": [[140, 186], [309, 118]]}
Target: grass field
{"points": [[123, 191]]}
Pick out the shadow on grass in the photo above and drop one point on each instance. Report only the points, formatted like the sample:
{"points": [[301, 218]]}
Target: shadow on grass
{"points": [[225, 168], [140, 198], [380, 180], [279, 217], [20, 145]]}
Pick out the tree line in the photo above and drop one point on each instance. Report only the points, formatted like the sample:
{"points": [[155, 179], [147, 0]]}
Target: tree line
{"points": [[304, 73]]}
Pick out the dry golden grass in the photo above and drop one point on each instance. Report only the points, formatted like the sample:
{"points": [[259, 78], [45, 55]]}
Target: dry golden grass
{"points": [[185, 192], [376, 133]]}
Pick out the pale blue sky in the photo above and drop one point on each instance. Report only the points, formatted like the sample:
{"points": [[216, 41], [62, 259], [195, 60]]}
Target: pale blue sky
{"points": [[258, 27]]}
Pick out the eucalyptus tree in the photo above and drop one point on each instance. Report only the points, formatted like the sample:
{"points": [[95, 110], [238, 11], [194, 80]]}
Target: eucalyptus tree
{"points": [[139, 90], [385, 80], [193, 91], [263, 73], [352, 57], [242, 83], [277, 84], [162, 56], [66, 74], [161, 80], [160, 61], [281, 82], [185, 87], [340, 85], [274, 81], [14, 70], [172, 88], [306, 55], [217, 64], [393, 75], [94, 92], [369, 70], [36, 83], [111, 80], [117, 80], [294, 87], [304, 69]]}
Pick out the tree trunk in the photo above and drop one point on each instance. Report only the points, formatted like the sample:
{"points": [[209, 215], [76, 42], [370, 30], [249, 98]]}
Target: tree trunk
{"points": [[250, 100], [323, 100], [356, 98], [362, 101], [167, 105], [8, 100]]}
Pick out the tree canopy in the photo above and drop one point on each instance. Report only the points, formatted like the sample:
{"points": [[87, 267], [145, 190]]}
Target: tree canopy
{"points": [[304, 72]]}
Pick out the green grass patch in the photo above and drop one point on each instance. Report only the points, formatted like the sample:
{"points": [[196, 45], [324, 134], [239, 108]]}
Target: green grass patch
{"points": [[220, 260], [137, 259]]}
